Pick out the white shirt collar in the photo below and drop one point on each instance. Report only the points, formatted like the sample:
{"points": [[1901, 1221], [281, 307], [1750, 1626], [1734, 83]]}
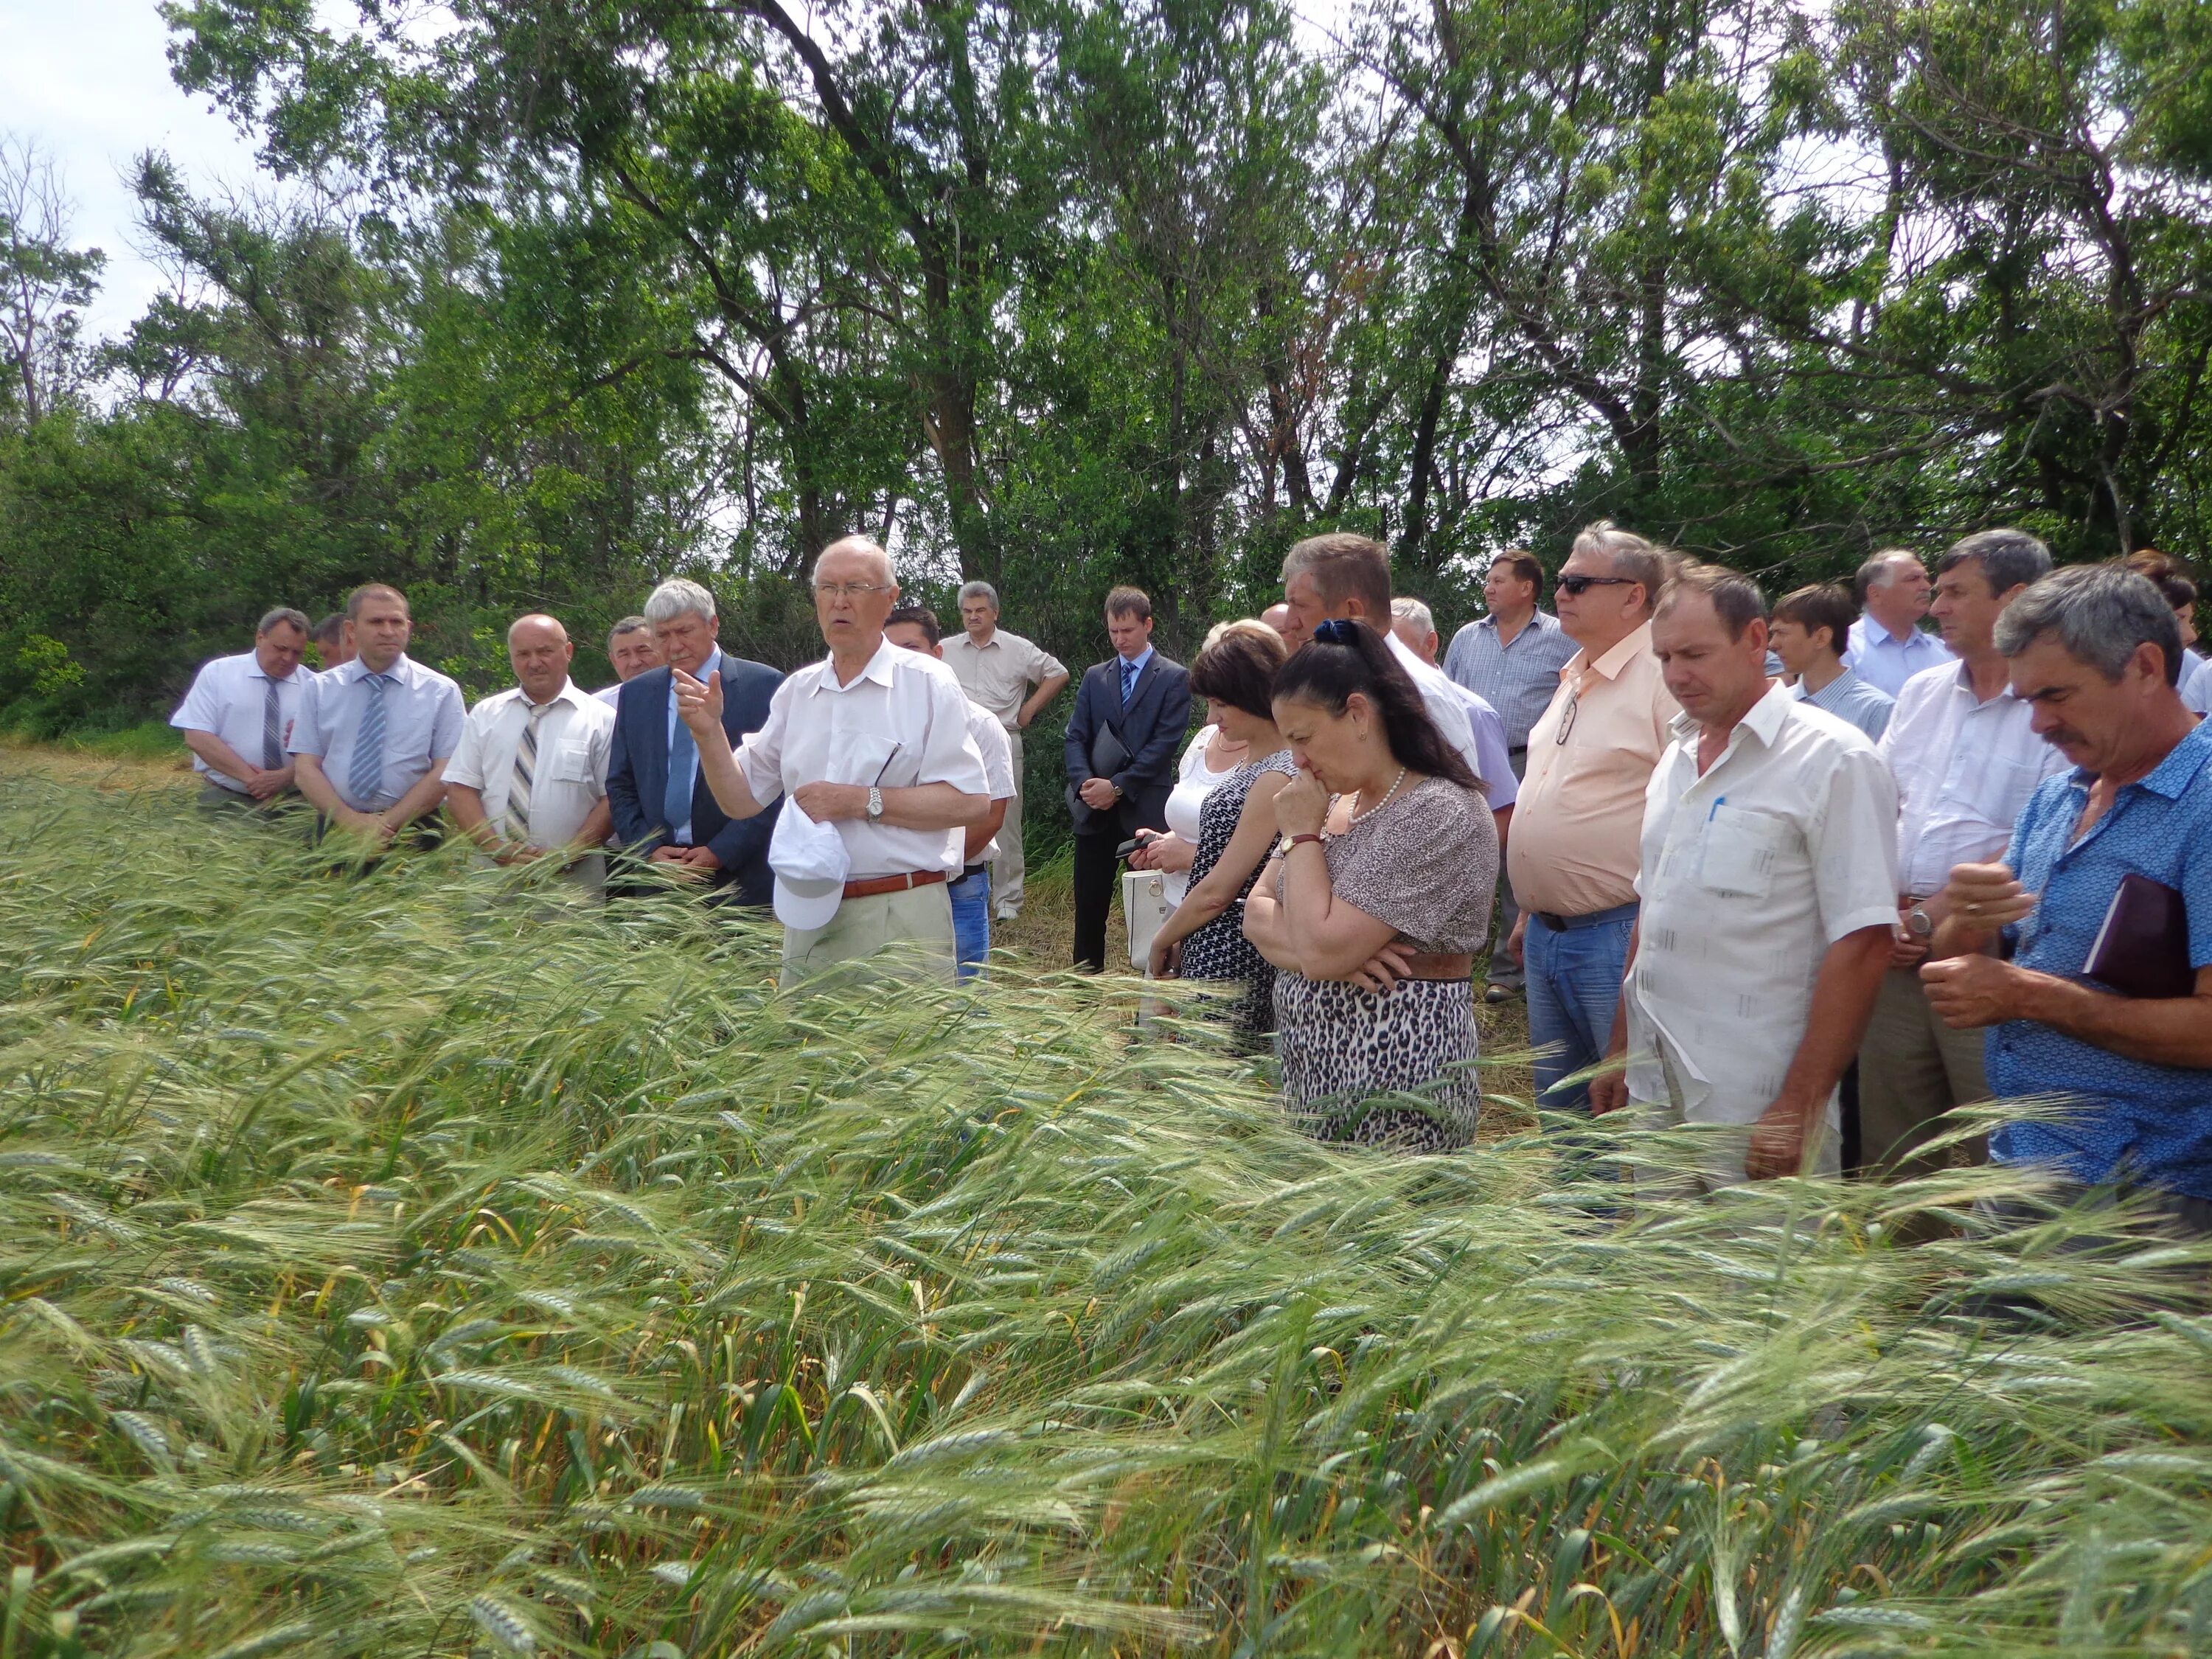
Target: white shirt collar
{"points": [[358, 670], [1763, 720], [568, 694], [879, 670]]}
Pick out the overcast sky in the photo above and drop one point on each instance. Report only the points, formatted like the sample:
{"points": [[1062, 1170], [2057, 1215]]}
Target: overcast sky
{"points": [[88, 81]]}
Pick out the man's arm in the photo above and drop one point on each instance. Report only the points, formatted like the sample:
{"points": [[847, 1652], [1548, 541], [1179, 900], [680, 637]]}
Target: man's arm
{"points": [[1843, 1001], [630, 822], [979, 833], [316, 785], [1077, 741], [1048, 687], [1608, 1093], [420, 801], [916, 807], [1156, 760], [222, 757], [465, 804], [1976, 990]]}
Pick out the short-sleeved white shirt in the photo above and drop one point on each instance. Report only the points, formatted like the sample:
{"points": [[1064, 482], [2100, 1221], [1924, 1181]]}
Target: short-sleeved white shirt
{"points": [[1746, 876], [422, 717], [229, 698], [570, 778], [902, 721], [1963, 768], [998, 751]]}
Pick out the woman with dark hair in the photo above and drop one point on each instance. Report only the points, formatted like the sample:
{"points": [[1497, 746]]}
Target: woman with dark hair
{"points": [[1204, 940], [1373, 924]]}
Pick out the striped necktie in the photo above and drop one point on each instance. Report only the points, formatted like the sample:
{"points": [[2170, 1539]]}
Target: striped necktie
{"points": [[366, 775], [525, 773], [273, 731], [1128, 678]]}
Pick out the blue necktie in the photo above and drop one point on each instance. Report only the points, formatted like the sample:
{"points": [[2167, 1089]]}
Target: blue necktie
{"points": [[366, 776], [1128, 678], [682, 756]]}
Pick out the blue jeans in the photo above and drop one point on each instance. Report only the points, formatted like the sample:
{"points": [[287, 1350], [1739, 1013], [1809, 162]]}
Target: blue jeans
{"points": [[1574, 988], [971, 921]]}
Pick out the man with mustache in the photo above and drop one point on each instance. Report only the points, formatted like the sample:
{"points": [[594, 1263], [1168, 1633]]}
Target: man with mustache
{"points": [[2106, 1005]]}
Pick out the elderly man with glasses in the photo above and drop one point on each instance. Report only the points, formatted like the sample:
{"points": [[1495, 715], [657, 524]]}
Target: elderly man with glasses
{"points": [[1575, 850], [871, 744]]}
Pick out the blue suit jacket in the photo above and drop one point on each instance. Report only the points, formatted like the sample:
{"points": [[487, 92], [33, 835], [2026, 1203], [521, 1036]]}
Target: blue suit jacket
{"points": [[1151, 726], [637, 776]]}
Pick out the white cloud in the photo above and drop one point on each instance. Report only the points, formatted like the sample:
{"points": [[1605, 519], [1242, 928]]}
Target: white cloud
{"points": [[88, 81]]}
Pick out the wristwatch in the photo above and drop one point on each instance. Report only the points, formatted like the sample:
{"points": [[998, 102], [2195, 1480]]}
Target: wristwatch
{"points": [[875, 803], [1919, 923]]}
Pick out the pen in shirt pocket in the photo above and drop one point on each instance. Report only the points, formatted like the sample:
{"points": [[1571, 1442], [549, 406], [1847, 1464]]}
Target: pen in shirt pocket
{"points": [[1719, 801]]}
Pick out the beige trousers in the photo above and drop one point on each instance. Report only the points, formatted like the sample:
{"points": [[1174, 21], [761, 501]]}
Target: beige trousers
{"points": [[1007, 868], [915, 925], [1706, 1157], [1912, 1069]]}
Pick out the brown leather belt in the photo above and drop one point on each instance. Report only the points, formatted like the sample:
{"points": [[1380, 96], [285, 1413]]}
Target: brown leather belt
{"points": [[1439, 967], [875, 884]]}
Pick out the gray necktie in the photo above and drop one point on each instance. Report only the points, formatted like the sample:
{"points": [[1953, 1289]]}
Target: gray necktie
{"points": [[366, 776], [525, 776], [272, 733]]}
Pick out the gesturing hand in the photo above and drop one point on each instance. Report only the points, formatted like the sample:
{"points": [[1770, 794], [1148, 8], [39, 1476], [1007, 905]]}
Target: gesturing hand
{"points": [[1301, 806], [1984, 897], [1971, 991], [699, 707]]}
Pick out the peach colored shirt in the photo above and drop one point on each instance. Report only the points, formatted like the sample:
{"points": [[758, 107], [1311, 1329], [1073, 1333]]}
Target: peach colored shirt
{"points": [[1574, 845]]}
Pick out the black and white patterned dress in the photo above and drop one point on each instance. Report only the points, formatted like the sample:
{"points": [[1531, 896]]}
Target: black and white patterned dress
{"points": [[1219, 950], [1426, 863]]}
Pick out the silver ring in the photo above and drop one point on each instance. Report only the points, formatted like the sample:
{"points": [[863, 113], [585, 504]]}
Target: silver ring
{"points": [[1973, 910]]}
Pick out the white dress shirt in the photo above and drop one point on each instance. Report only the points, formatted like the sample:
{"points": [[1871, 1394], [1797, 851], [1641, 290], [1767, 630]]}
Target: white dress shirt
{"points": [[1001, 672], [1447, 704], [1964, 770], [423, 718], [229, 698], [2196, 683], [998, 751], [902, 721], [570, 778], [1886, 662], [1746, 876], [610, 695]]}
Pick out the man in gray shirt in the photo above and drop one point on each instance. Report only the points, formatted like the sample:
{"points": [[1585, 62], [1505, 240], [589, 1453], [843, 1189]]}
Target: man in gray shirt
{"points": [[1512, 659]]}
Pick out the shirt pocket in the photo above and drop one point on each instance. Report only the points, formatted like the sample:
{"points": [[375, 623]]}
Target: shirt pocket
{"points": [[1739, 850], [861, 756], [572, 763]]}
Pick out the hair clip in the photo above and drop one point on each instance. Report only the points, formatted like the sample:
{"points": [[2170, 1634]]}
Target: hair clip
{"points": [[1337, 633]]}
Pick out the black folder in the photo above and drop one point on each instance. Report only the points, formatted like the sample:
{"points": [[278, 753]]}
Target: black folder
{"points": [[2142, 949]]}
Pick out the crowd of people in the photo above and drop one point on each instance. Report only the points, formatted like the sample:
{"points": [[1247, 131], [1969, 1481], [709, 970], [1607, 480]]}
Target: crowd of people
{"points": [[1798, 878]]}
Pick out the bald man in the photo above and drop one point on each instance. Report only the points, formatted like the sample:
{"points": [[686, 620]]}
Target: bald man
{"points": [[529, 779]]}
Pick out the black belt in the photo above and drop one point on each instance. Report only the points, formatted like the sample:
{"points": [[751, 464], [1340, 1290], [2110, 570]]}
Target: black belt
{"points": [[1517, 749], [1595, 918], [972, 870]]}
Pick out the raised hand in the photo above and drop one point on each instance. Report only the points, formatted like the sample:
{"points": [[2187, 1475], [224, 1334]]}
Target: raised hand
{"points": [[699, 706]]}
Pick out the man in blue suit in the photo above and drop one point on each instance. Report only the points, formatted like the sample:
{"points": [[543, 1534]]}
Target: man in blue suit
{"points": [[1130, 721], [666, 814]]}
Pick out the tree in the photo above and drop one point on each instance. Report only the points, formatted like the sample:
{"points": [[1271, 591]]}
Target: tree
{"points": [[45, 286]]}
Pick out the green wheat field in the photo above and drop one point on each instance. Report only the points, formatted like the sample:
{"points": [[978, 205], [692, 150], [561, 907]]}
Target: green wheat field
{"points": [[392, 1267]]}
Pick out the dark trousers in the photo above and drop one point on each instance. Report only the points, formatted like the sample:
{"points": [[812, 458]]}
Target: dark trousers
{"points": [[1096, 869]]}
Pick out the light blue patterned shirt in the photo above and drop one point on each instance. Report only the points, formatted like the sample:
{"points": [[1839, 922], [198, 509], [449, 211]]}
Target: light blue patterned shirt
{"points": [[2128, 1120], [1886, 662], [1848, 697], [1518, 680], [423, 718]]}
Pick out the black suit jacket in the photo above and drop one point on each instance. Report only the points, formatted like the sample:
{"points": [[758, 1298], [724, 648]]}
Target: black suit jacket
{"points": [[1151, 726], [637, 776]]}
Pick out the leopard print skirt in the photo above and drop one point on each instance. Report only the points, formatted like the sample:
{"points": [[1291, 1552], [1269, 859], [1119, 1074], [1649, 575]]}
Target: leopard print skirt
{"points": [[1345, 1053]]}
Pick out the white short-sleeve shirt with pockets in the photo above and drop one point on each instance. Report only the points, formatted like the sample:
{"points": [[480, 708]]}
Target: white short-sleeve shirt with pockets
{"points": [[1747, 875], [998, 752], [901, 721], [570, 778]]}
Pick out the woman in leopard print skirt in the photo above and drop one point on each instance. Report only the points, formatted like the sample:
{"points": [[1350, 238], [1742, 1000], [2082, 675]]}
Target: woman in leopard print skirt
{"points": [[1371, 912]]}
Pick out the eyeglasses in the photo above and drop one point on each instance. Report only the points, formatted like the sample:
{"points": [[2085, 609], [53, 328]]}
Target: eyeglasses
{"points": [[1577, 585], [848, 590], [1567, 720]]}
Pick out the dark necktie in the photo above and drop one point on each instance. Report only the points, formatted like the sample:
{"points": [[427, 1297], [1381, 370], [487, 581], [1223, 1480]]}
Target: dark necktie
{"points": [[683, 758], [1128, 678], [272, 733]]}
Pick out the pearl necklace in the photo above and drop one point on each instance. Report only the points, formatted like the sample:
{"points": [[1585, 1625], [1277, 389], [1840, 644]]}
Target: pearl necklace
{"points": [[1356, 816]]}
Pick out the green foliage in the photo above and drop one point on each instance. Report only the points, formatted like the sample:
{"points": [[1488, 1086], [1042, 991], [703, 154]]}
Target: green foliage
{"points": [[388, 1266]]}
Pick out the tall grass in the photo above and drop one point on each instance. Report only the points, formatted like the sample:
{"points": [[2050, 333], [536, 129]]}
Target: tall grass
{"points": [[390, 1270]]}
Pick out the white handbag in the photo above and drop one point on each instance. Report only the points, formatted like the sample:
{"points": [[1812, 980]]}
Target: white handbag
{"points": [[1144, 907]]}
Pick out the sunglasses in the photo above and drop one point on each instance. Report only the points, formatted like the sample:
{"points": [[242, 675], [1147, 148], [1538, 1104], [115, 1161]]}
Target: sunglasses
{"points": [[1578, 586]]}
